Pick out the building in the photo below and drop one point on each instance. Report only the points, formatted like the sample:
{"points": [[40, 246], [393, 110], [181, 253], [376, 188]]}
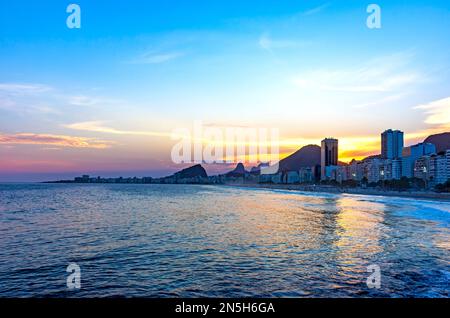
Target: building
{"points": [[411, 154], [434, 169], [291, 177], [277, 178], [84, 179], [356, 170], [438, 170], [374, 170], [328, 157], [307, 174], [396, 167], [422, 168], [391, 144], [447, 163], [343, 173]]}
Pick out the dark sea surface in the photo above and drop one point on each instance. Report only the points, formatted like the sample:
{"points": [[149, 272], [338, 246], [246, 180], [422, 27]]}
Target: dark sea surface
{"points": [[189, 241]]}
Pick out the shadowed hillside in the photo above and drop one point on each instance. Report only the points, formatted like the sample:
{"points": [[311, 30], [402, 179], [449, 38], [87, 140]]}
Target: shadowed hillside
{"points": [[307, 156], [441, 141]]}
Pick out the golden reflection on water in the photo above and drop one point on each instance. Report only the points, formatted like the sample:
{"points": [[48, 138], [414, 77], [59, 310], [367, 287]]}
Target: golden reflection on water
{"points": [[285, 220], [442, 240], [359, 230], [359, 226]]}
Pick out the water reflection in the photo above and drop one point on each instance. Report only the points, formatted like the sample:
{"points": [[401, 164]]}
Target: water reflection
{"points": [[170, 240], [359, 227]]}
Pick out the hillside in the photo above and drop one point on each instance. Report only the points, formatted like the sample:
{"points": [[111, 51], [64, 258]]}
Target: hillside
{"points": [[307, 156], [191, 172], [441, 141], [239, 171]]}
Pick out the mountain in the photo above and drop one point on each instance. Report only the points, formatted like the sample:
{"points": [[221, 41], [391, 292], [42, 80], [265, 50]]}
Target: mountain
{"points": [[256, 170], [372, 157], [307, 156], [441, 141], [239, 171], [191, 172]]}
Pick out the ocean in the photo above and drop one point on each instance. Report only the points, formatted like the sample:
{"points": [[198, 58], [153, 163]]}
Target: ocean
{"points": [[218, 241]]}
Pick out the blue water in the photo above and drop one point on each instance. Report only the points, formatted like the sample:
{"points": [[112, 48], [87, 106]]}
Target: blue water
{"points": [[189, 241]]}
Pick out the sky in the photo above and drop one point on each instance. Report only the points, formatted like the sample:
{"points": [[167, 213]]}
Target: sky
{"points": [[104, 99]]}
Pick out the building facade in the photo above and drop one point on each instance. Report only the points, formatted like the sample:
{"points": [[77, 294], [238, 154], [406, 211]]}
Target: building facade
{"points": [[391, 144], [328, 157], [411, 154]]}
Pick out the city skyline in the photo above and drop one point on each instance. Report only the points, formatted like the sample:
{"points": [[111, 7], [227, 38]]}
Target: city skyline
{"points": [[393, 162], [105, 98]]}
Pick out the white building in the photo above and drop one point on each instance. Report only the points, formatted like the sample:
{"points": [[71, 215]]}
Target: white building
{"points": [[411, 154], [438, 170]]}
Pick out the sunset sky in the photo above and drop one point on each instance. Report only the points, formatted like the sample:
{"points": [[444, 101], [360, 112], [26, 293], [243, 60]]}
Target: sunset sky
{"points": [[104, 99]]}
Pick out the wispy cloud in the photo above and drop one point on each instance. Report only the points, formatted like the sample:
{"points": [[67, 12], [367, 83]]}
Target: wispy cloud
{"points": [[7, 103], [437, 112], [316, 10], [52, 140], [98, 126], [19, 89], [383, 100], [39, 98], [156, 58], [379, 75], [266, 42], [84, 100]]}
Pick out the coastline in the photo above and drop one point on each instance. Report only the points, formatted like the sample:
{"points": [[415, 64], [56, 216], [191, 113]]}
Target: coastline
{"points": [[307, 188], [337, 190]]}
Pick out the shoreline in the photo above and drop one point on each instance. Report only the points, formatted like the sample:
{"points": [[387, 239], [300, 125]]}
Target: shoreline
{"points": [[336, 190], [301, 188]]}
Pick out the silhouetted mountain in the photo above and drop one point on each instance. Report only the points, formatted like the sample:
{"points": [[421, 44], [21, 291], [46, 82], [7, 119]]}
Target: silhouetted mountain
{"points": [[256, 170], [191, 172], [239, 171], [372, 157], [441, 141], [307, 156]]}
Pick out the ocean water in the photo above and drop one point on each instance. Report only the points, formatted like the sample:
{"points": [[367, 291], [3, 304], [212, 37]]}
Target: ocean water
{"points": [[190, 241]]}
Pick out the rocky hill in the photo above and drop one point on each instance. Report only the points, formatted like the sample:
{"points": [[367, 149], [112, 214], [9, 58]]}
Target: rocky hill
{"points": [[441, 141], [239, 171], [307, 156], [191, 172]]}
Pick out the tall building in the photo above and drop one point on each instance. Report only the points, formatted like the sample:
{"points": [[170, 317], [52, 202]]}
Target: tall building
{"points": [[391, 144], [328, 157], [411, 154], [396, 169]]}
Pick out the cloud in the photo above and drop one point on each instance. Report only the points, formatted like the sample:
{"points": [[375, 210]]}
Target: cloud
{"points": [[83, 100], [156, 58], [267, 43], [52, 140], [23, 89], [437, 112], [378, 75], [383, 100], [316, 10], [98, 126], [7, 103]]}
